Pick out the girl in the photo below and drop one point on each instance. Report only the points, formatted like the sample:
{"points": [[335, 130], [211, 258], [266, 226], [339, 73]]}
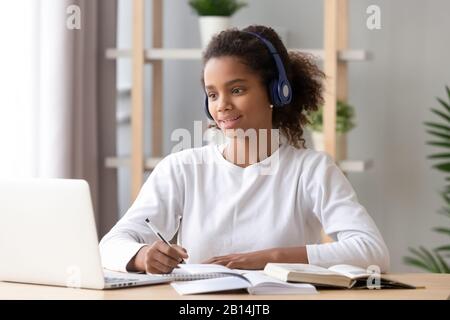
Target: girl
{"points": [[227, 206]]}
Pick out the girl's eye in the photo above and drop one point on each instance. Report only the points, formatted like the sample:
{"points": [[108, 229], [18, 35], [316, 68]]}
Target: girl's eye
{"points": [[237, 90], [211, 95]]}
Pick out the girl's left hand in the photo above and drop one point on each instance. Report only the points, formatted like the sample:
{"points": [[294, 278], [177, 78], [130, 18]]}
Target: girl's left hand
{"points": [[251, 260]]}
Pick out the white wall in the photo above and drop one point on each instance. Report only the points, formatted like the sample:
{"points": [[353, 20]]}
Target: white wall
{"points": [[392, 95]]}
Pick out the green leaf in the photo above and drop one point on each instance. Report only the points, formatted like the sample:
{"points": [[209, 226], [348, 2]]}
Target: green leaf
{"points": [[216, 7], [441, 114], [443, 166], [443, 230], [439, 144], [443, 248], [443, 265], [424, 258], [436, 126], [345, 114], [439, 155], [446, 197], [438, 134], [445, 104], [432, 260], [417, 263]]}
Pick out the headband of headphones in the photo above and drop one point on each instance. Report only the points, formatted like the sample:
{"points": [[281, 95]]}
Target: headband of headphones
{"points": [[275, 55]]}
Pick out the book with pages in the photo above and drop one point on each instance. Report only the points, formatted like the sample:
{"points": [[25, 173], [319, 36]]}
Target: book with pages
{"points": [[342, 276]]}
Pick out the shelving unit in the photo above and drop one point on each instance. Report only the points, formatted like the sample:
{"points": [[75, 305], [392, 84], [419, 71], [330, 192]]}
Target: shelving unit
{"points": [[335, 56], [153, 54], [150, 163]]}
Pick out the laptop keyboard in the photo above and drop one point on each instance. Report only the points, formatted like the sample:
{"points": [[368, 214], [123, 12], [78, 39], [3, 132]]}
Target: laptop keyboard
{"points": [[119, 280]]}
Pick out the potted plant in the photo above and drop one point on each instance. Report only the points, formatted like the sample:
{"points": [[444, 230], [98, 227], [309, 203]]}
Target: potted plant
{"points": [[344, 123], [214, 16], [437, 259]]}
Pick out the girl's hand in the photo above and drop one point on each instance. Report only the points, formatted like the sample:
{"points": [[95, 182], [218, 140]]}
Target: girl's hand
{"points": [[255, 260], [157, 258]]}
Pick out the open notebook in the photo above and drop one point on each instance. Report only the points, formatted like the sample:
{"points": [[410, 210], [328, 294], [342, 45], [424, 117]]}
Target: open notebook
{"points": [[215, 278], [186, 273]]}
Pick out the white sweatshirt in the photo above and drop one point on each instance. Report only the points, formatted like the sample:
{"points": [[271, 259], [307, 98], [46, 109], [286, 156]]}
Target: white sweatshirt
{"points": [[282, 201]]}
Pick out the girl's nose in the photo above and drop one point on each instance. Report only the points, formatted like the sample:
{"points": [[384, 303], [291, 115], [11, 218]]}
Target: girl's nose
{"points": [[223, 104]]}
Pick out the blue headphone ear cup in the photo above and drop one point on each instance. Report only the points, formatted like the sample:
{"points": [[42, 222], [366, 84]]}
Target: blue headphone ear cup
{"points": [[284, 91], [278, 98], [273, 91], [207, 108]]}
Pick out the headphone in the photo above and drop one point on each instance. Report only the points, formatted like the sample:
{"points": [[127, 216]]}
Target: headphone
{"points": [[279, 88]]}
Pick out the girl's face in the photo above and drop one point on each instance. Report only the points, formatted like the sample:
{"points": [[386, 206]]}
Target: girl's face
{"points": [[237, 97]]}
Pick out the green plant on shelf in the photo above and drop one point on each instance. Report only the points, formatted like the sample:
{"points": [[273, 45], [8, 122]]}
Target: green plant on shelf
{"points": [[435, 260], [345, 115], [225, 8]]}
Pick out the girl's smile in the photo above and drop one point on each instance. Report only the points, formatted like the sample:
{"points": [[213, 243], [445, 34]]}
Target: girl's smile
{"points": [[229, 122]]}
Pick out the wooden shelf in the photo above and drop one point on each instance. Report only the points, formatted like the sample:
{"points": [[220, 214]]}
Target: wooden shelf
{"points": [[355, 165], [150, 164], [117, 162], [196, 54]]}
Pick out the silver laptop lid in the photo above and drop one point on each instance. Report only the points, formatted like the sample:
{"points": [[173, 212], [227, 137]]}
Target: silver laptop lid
{"points": [[48, 234]]}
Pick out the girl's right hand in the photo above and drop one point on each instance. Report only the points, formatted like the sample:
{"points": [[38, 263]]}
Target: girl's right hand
{"points": [[157, 258]]}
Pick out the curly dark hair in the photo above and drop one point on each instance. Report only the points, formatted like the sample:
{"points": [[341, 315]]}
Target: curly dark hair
{"points": [[303, 74]]}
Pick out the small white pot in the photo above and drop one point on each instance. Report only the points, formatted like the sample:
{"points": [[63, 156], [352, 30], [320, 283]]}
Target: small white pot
{"points": [[341, 144], [211, 25]]}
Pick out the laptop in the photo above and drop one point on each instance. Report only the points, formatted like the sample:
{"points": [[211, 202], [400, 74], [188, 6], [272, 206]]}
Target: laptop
{"points": [[48, 236]]}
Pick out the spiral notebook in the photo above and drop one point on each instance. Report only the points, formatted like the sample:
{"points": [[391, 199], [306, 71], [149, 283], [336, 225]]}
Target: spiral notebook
{"points": [[187, 272]]}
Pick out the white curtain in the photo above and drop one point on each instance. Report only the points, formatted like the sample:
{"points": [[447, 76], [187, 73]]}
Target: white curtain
{"points": [[19, 93], [41, 89], [56, 113]]}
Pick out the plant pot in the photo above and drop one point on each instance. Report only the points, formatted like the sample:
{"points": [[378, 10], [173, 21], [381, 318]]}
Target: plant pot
{"points": [[341, 144], [211, 25]]}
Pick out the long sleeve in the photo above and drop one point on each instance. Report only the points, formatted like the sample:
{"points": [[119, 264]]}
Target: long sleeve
{"points": [[161, 200], [334, 203]]}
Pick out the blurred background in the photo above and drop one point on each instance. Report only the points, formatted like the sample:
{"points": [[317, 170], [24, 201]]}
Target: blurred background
{"points": [[66, 81]]}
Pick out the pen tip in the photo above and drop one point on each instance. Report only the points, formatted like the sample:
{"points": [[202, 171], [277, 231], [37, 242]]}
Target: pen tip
{"points": [[146, 220]]}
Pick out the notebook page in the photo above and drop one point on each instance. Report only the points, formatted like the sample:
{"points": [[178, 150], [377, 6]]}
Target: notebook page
{"points": [[210, 285], [179, 274], [305, 268], [263, 284], [195, 268], [349, 271]]}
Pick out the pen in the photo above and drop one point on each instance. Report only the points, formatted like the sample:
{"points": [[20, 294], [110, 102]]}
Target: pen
{"points": [[156, 232]]}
